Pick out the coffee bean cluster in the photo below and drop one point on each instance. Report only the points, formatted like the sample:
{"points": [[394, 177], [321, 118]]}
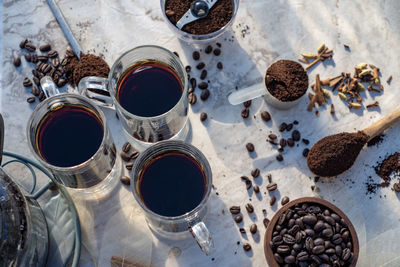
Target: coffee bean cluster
{"points": [[128, 155], [311, 235], [45, 63]]}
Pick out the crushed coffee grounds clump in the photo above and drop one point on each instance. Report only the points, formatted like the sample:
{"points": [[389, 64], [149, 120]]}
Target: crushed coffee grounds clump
{"points": [[334, 154], [286, 80], [88, 65], [219, 15], [389, 165], [376, 140]]}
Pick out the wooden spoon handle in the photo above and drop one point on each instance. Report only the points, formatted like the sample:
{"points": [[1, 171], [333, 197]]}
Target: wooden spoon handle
{"points": [[381, 125]]}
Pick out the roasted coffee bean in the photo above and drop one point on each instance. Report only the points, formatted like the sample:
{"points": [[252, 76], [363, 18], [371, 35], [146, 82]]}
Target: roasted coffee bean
{"points": [[36, 80], [45, 47], [266, 221], [55, 62], [294, 228], [279, 157], [305, 152], [330, 220], [242, 230], [203, 85], [265, 116], [129, 166], [39, 66], [192, 98], [220, 66], [310, 232], [204, 94], [41, 96], [133, 155], [30, 47], [200, 66], [396, 187], [208, 49], [282, 127], [248, 184], [289, 127], [245, 113], [318, 250], [319, 242], [319, 226], [28, 57], [196, 55], [309, 244], [255, 172], [346, 254], [70, 53], [190, 90], [53, 54], [278, 258], [176, 54], [299, 222], [64, 61], [330, 251], [125, 156], [27, 82], [45, 68], [271, 187], [290, 142], [302, 256], [272, 136], [250, 147], [316, 259], [296, 135], [282, 142], [234, 209], [328, 244], [61, 82], [238, 219], [126, 147], [203, 116], [249, 208], [277, 240], [188, 68], [34, 58], [310, 219], [290, 259], [247, 103], [288, 239], [272, 142], [246, 247], [23, 43], [291, 223], [272, 201], [345, 235], [125, 180], [256, 189], [284, 200], [35, 91], [253, 228], [217, 51], [313, 209], [305, 141], [17, 61], [283, 249], [338, 250], [31, 99], [203, 74], [328, 233], [43, 58]]}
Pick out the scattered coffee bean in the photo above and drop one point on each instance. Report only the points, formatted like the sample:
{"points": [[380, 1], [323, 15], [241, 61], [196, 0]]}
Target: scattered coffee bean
{"points": [[55, 62], [17, 61], [396, 187], [188, 68], [282, 127], [31, 99], [169, 12], [35, 91], [41, 96], [45, 68], [217, 51], [23, 43], [220, 66], [289, 127], [200, 66], [126, 147], [266, 222], [245, 178], [242, 230], [265, 116], [129, 166], [176, 53], [245, 113], [296, 135], [305, 152], [208, 49], [204, 94], [203, 116], [125, 156], [125, 180], [246, 246], [27, 82], [279, 157], [133, 155], [284, 200], [273, 142], [53, 54], [36, 80], [271, 187], [190, 90], [249, 208], [247, 103], [234, 209], [30, 47], [253, 228], [61, 82], [282, 142], [238, 219], [272, 136], [28, 57], [196, 55], [248, 184], [305, 141], [290, 142], [45, 47], [192, 98], [255, 173], [250, 147], [256, 189], [203, 74], [272, 201]]}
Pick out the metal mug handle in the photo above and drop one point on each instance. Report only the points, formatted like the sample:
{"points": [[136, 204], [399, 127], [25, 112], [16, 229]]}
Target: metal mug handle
{"points": [[202, 235], [95, 88]]}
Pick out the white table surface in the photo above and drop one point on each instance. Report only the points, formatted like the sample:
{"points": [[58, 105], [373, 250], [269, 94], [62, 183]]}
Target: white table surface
{"points": [[264, 31]]}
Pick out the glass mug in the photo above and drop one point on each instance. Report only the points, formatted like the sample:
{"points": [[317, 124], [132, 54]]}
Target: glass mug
{"points": [[177, 225], [95, 171], [143, 130]]}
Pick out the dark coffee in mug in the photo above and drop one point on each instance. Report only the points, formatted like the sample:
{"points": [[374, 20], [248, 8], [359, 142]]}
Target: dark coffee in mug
{"points": [[149, 89], [69, 135], [172, 184]]}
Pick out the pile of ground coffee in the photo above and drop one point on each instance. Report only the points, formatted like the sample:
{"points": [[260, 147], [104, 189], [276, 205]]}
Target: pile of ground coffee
{"points": [[286, 80], [388, 166], [88, 65], [334, 154], [219, 15]]}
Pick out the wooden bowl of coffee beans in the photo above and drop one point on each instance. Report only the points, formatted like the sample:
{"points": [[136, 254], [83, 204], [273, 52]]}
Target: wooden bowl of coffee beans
{"points": [[310, 231]]}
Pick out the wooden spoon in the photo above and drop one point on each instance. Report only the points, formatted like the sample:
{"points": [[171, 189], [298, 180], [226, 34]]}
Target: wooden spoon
{"points": [[336, 153]]}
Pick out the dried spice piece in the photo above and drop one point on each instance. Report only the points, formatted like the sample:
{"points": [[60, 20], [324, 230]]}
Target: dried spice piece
{"points": [[323, 54], [375, 104], [389, 79]]}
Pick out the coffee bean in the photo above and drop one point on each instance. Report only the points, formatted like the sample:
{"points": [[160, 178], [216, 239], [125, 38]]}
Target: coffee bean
{"points": [[245, 113], [266, 221], [265, 116], [196, 55], [31, 99], [176, 54], [256, 189], [200, 66], [55, 62], [126, 147], [36, 80], [41, 96], [310, 219], [290, 142], [318, 250], [272, 142], [190, 90], [208, 49], [289, 259], [282, 127], [278, 258], [169, 12], [249, 208], [305, 152], [255, 172], [279, 157], [337, 239], [238, 219], [346, 254], [129, 166], [272, 136], [35, 91], [305, 141], [248, 184], [30, 47], [246, 247], [272, 201], [192, 98], [204, 94], [28, 57], [247, 103], [61, 82], [296, 135], [250, 147], [203, 116], [289, 127], [125, 156], [17, 61], [283, 249], [234, 209], [217, 51], [327, 233], [45, 47], [302, 256], [133, 155], [64, 61], [277, 240], [45, 68], [396, 187], [282, 142], [203, 85], [27, 82], [203, 74], [220, 66], [329, 220], [284, 200], [288, 239], [125, 180], [253, 228], [70, 53], [319, 226], [272, 186], [23, 43]]}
